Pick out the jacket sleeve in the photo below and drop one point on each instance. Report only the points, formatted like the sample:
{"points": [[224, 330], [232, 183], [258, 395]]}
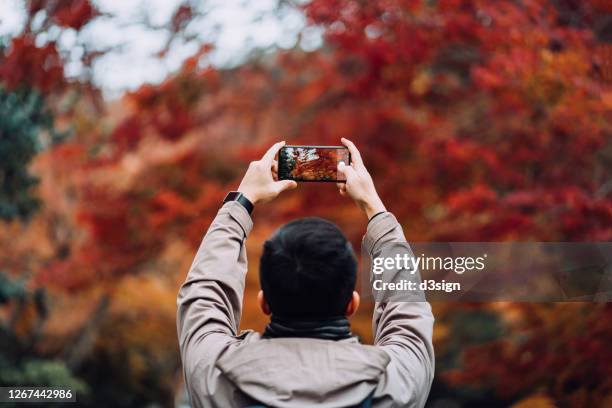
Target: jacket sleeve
{"points": [[403, 329], [210, 300]]}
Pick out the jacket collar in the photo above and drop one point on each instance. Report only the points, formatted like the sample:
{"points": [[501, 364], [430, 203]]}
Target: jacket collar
{"points": [[335, 328]]}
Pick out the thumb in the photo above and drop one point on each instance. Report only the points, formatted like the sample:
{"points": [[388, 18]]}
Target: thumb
{"points": [[285, 185], [347, 171]]}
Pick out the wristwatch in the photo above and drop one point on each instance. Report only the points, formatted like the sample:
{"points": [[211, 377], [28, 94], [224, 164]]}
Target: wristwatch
{"points": [[238, 196]]}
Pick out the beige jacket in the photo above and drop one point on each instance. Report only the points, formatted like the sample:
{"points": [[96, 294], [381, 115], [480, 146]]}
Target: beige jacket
{"points": [[224, 368]]}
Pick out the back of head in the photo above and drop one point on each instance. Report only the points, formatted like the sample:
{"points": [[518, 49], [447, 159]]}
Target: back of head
{"points": [[308, 270]]}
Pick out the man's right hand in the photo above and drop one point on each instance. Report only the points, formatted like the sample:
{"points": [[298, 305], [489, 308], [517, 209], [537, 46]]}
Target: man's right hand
{"points": [[260, 183], [359, 185]]}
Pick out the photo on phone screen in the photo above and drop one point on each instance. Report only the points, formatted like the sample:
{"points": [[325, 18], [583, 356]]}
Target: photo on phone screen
{"points": [[312, 163]]}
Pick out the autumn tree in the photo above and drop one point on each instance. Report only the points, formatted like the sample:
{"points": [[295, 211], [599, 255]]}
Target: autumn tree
{"points": [[495, 118], [479, 120], [30, 77], [45, 341]]}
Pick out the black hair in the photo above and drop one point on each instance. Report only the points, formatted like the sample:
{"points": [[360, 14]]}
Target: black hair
{"points": [[308, 270]]}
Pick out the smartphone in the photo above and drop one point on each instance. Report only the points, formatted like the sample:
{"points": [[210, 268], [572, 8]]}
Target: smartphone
{"points": [[312, 163]]}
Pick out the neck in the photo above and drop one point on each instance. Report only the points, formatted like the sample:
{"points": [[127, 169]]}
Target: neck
{"points": [[332, 328]]}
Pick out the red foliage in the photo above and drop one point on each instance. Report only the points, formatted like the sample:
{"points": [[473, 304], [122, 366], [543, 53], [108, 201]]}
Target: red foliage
{"points": [[498, 110], [565, 361], [74, 13], [181, 17], [42, 67], [25, 64], [128, 134]]}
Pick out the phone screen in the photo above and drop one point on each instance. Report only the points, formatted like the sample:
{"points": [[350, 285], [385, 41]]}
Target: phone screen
{"points": [[312, 163]]}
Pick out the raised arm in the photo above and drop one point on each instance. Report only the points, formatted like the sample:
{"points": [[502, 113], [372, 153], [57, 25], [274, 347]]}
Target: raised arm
{"points": [[210, 300], [402, 329]]}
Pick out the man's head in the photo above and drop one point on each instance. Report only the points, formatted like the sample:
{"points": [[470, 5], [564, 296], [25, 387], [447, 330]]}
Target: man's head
{"points": [[308, 270]]}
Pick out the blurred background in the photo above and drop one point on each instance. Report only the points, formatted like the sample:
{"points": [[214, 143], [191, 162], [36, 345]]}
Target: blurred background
{"points": [[124, 123]]}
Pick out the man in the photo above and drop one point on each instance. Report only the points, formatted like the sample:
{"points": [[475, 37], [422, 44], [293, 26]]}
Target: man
{"points": [[307, 355]]}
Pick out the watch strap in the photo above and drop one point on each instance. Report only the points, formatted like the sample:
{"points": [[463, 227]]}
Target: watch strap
{"points": [[241, 198]]}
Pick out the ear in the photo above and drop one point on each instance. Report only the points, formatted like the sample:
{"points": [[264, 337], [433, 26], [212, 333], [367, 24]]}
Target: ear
{"points": [[353, 304], [263, 305]]}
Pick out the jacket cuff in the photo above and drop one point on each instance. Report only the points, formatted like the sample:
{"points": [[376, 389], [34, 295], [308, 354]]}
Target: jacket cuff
{"points": [[377, 228], [239, 214]]}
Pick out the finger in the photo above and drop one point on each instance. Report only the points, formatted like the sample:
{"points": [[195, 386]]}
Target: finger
{"points": [[269, 155], [275, 170], [355, 155], [341, 189], [347, 171], [285, 185]]}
